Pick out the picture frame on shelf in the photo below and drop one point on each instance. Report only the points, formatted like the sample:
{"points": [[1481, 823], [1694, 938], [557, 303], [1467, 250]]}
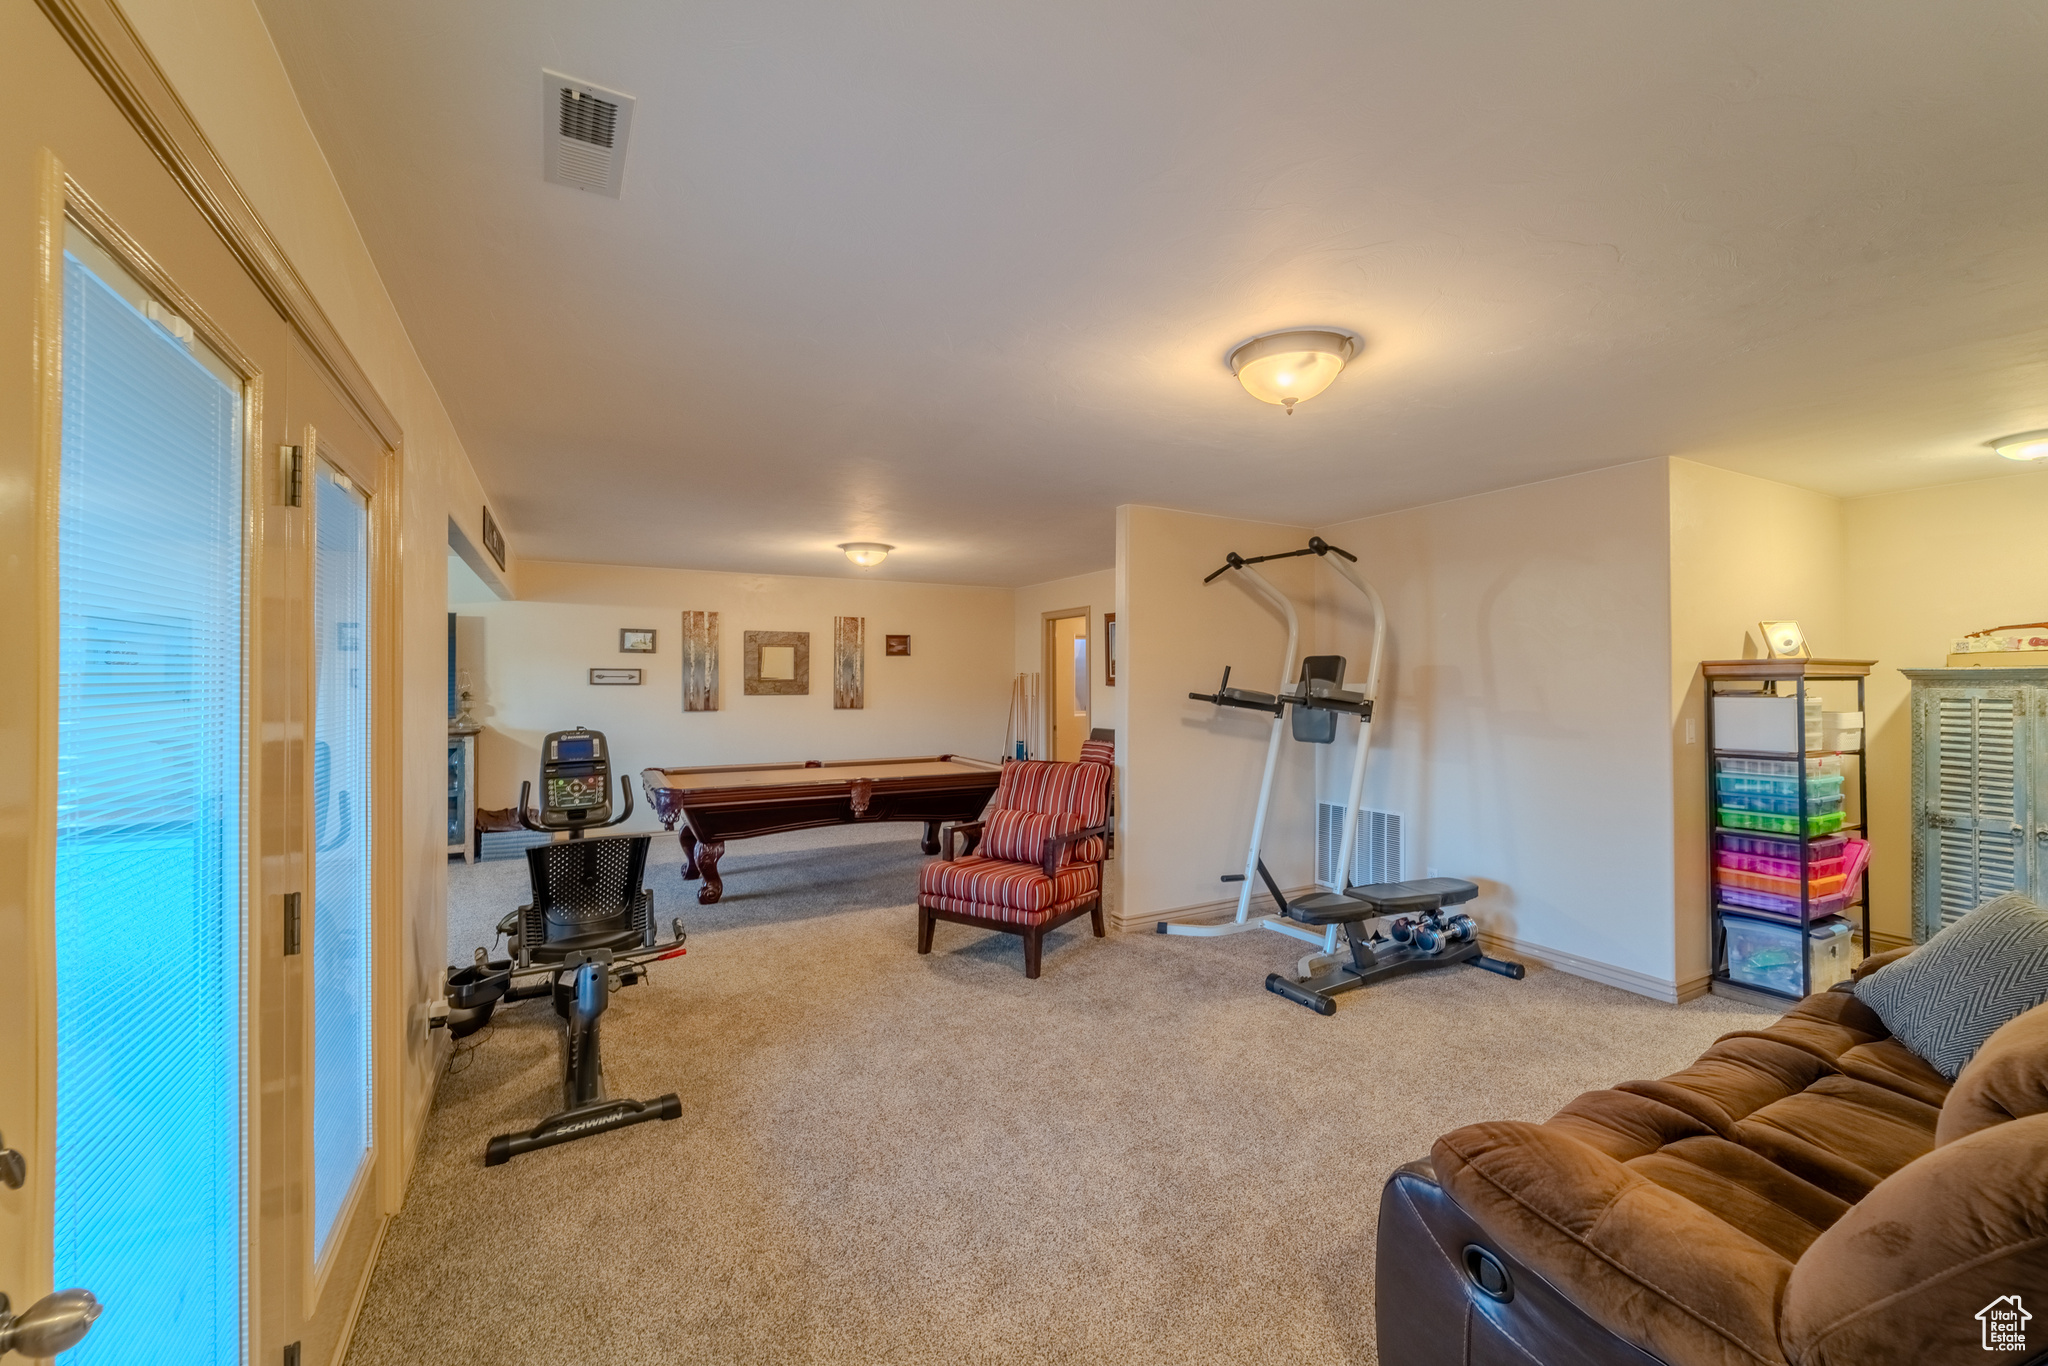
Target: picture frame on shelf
{"points": [[1783, 639]]}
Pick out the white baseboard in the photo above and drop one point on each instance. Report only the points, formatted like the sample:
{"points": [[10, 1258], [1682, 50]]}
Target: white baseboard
{"points": [[1262, 904], [1641, 983]]}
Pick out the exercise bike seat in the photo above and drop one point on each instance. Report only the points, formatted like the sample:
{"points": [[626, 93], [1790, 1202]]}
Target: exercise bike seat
{"points": [[1382, 899]]}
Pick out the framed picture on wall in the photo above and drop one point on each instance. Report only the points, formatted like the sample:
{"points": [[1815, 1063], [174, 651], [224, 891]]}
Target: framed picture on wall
{"points": [[494, 539], [1109, 649], [636, 640], [615, 677], [895, 645], [777, 663]]}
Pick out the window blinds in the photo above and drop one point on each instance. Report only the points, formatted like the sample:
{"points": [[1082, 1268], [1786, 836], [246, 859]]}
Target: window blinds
{"points": [[149, 899], [341, 845]]}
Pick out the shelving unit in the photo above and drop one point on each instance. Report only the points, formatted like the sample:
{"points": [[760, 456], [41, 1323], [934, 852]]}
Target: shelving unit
{"points": [[462, 791], [1780, 834]]}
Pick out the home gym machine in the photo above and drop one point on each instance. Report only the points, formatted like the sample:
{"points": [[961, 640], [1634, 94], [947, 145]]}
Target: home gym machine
{"points": [[1421, 935], [588, 931]]}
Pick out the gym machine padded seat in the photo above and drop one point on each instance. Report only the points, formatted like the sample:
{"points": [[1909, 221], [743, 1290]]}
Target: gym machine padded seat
{"points": [[1418, 897]]}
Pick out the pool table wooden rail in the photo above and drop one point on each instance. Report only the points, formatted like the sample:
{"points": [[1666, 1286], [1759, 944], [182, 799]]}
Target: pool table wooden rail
{"points": [[709, 805]]}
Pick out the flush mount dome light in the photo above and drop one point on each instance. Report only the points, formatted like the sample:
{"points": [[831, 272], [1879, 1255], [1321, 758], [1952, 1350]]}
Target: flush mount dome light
{"points": [[1287, 367], [866, 554], [2024, 446]]}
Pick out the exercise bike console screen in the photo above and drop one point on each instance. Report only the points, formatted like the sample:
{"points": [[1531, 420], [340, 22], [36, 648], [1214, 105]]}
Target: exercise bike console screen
{"points": [[575, 783], [575, 794]]}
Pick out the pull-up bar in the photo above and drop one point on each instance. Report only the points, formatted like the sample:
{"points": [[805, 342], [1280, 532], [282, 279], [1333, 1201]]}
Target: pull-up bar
{"points": [[1316, 546]]}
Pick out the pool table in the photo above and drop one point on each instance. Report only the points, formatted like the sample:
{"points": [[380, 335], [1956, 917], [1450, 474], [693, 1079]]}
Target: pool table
{"points": [[734, 801]]}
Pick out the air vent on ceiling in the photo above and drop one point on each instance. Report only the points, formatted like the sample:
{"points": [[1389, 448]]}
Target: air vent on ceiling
{"points": [[583, 133]]}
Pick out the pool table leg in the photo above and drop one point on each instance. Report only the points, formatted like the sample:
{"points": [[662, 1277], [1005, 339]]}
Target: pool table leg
{"points": [[688, 839], [708, 854], [931, 837]]}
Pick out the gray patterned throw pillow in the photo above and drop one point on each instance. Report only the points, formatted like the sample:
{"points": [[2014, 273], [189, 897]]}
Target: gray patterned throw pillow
{"points": [[1948, 996]]}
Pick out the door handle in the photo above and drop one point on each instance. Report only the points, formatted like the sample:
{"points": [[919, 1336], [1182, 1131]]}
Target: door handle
{"points": [[53, 1324]]}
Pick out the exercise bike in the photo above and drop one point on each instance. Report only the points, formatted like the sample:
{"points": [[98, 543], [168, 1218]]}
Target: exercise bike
{"points": [[587, 932], [1422, 935]]}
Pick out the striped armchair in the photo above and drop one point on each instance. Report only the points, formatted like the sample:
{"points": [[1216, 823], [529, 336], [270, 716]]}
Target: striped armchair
{"points": [[1033, 862]]}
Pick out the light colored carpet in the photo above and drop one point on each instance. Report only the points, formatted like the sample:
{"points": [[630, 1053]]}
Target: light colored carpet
{"points": [[1143, 1156]]}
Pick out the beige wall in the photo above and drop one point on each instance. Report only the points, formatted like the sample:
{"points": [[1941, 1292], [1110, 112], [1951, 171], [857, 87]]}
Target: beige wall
{"points": [[1525, 709], [1923, 567], [1097, 593], [1743, 550], [530, 663], [219, 57], [1191, 770]]}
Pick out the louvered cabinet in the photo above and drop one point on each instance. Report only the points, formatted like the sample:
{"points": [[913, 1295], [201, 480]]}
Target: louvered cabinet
{"points": [[1980, 815]]}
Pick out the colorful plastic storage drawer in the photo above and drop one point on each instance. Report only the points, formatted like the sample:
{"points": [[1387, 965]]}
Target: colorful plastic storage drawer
{"points": [[1763, 954], [1781, 846], [1818, 786], [1787, 887], [1778, 768], [1762, 820], [1784, 907], [1779, 806], [1835, 857], [1816, 869]]}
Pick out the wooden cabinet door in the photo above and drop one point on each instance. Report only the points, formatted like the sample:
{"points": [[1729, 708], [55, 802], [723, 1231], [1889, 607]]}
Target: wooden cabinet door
{"points": [[1974, 811]]}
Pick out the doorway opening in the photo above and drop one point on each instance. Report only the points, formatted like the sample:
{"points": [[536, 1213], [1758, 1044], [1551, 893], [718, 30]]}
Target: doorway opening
{"points": [[1067, 691]]}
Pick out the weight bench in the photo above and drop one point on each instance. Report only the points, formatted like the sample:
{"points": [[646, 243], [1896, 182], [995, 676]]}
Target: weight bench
{"points": [[1427, 940]]}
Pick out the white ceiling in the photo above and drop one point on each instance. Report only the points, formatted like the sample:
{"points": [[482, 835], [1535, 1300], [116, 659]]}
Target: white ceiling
{"points": [[961, 277]]}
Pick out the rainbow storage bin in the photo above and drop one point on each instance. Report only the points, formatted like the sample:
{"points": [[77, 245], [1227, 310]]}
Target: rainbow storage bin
{"points": [[1761, 875], [1779, 848], [1736, 819]]}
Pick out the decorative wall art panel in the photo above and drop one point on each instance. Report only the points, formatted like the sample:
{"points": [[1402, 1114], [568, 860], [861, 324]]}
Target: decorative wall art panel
{"points": [[849, 663], [778, 663], [895, 645], [700, 661]]}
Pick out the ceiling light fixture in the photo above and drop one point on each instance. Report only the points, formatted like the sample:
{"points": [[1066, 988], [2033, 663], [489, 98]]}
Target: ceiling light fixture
{"points": [[866, 554], [2024, 446], [1287, 367]]}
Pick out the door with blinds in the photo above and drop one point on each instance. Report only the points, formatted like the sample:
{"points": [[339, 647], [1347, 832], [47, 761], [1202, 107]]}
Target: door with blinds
{"points": [[1976, 768], [148, 851], [194, 716], [331, 1048]]}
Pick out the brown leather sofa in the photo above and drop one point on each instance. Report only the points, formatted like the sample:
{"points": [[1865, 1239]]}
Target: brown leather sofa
{"points": [[1808, 1194]]}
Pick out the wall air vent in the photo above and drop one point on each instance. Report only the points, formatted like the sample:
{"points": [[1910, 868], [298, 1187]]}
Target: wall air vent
{"points": [[583, 134], [1376, 854]]}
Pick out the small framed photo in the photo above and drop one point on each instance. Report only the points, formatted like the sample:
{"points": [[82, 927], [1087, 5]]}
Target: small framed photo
{"points": [[1109, 649], [636, 640], [494, 539], [615, 677], [895, 645], [1783, 639]]}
